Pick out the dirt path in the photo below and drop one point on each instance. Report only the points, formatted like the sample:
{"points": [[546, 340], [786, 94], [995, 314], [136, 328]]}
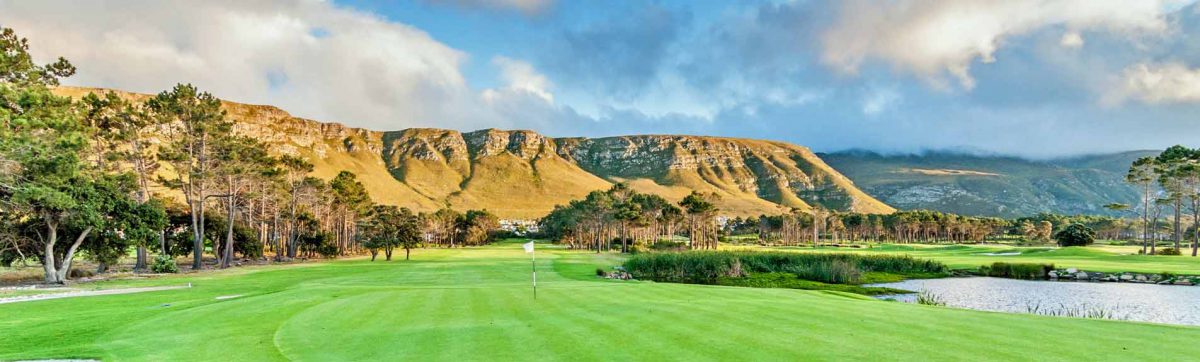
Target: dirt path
{"points": [[85, 293]]}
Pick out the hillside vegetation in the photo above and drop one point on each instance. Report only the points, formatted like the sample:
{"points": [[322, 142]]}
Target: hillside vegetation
{"points": [[522, 174], [992, 185]]}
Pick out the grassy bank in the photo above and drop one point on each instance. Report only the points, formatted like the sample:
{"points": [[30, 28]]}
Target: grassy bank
{"points": [[1093, 258], [791, 281], [468, 304]]}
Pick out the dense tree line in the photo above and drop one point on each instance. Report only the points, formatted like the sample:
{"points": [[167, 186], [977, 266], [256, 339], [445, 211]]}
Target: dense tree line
{"points": [[103, 175], [619, 216], [450, 228], [604, 220], [923, 226], [918, 226], [1168, 183]]}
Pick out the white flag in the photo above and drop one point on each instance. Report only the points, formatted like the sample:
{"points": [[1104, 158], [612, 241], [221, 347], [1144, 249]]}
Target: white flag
{"points": [[528, 247]]}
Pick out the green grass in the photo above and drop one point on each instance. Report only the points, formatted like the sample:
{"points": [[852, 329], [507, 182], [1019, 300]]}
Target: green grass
{"points": [[1093, 258], [472, 304]]}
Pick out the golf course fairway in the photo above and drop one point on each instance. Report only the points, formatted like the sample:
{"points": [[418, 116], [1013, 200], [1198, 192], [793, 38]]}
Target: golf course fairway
{"points": [[477, 304]]}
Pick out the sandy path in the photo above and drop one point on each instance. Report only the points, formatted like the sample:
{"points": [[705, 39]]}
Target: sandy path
{"points": [[85, 293]]}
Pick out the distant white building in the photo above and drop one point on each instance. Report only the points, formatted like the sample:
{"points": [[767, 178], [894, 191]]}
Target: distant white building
{"points": [[519, 227]]}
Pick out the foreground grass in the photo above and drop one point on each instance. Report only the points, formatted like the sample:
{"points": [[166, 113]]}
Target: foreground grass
{"points": [[1092, 258], [472, 304]]}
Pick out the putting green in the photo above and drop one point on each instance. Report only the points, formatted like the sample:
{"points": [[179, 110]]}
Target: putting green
{"points": [[476, 304]]}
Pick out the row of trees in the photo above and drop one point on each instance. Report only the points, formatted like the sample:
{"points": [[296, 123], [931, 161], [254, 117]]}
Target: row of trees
{"points": [[450, 228], [922, 226], [622, 216], [1171, 181], [619, 214]]}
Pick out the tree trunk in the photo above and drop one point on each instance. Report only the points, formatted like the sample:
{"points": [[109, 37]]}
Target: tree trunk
{"points": [[278, 241], [61, 274], [228, 257], [197, 235], [406, 253], [141, 259], [1195, 225], [1178, 235], [624, 238], [292, 232], [1154, 233], [48, 262]]}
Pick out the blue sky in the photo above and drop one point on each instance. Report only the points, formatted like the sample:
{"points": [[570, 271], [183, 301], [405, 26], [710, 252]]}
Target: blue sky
{"points": [[1031, 78]]}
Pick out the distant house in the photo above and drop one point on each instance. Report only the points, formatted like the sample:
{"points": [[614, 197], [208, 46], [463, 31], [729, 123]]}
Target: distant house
{"points": [[519, 227]]}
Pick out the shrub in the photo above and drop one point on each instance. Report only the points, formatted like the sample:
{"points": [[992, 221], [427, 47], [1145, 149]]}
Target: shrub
{"points": [[320, 243], [705, 267], [664, 245], [926, 297], [164, 264], [77, 273], [1075, 235], [1017, 270], [1167, 251], [669, 246]]}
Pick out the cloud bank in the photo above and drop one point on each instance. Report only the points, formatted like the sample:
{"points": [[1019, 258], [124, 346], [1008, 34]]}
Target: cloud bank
{"points": [[311, 58], [1031, 78], [936, 39], [1160, 84]]}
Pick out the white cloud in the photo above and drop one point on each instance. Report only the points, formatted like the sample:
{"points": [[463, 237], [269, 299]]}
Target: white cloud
{"points": [[311, 58], [1158, 84], [878, 100], [519, 76], [936, 39], [527, 7], [1071, 39]]}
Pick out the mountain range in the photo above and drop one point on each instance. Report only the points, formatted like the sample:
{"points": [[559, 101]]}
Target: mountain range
{"points": [[523, 174], [992, 185]]}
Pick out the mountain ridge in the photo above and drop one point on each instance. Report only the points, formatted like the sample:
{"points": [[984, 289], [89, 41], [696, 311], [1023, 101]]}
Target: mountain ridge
{"points": [[992, 185], [524, 174]]}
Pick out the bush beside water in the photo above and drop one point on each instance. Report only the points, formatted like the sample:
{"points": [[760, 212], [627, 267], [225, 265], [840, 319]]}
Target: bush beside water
{"points": [[1016, 270], [706, 267]]}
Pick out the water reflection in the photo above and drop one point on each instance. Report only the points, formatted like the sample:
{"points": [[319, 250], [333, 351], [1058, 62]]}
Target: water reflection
{"points": [[1136, 302]]}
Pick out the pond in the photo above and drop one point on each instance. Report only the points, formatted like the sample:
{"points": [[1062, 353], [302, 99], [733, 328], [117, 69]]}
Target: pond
{"points": [[1125, 301]]}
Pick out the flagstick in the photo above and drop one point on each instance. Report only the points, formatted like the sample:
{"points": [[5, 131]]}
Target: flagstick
{"points": [[533, 267]]}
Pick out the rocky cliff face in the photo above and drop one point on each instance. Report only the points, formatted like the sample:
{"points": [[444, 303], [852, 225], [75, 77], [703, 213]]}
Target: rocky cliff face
{"points": [[523, 174], [746, 172]]}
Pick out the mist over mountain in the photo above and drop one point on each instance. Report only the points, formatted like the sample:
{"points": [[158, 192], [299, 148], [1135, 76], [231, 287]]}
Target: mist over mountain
{"points": [[992, 185]]}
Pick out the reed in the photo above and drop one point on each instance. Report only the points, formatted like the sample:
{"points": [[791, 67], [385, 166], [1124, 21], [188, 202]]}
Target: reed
{"points": [[705, 267]]}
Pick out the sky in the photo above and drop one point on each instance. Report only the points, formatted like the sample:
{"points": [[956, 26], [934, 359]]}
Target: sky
{"points": [[1038, 79]]}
